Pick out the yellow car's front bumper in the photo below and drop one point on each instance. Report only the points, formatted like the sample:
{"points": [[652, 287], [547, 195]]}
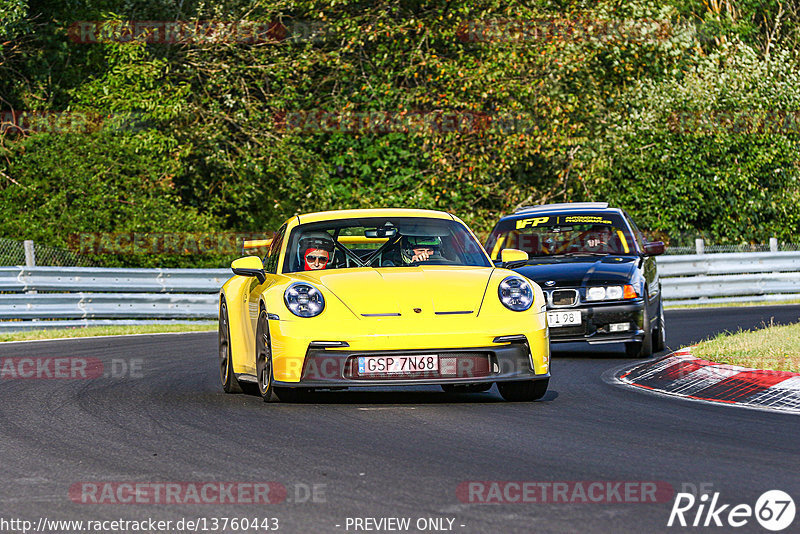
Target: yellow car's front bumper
{"points": [[468, 351]]}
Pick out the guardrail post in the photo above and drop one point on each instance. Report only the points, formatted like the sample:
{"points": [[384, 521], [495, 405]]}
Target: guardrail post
{"points": [[30, 260], [30, 254], [773, 244], [699, 246]]}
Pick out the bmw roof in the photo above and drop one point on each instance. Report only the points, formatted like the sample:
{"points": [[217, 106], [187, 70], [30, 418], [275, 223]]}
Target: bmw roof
{"points": [[564, 206]]}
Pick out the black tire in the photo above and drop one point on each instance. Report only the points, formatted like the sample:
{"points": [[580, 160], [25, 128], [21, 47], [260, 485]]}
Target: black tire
{"points": [[523, 390], [644, 348], [660, 334], [466, 388], [263, 357], [230, 384], [632, 349]]}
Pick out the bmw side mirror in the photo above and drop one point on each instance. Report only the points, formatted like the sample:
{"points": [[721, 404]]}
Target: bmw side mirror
{"points": [[249, 266], [653, 248]]}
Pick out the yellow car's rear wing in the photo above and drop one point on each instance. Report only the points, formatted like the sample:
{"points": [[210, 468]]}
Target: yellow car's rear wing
{"points": [[256, 243]]}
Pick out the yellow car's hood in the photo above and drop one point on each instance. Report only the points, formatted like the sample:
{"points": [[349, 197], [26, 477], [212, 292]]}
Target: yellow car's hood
{"points": [[399, 290]]}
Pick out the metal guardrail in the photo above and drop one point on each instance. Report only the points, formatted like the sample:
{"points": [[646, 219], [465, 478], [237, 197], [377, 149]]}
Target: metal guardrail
{"points": [[730, 263], [48, 297], [108, 306], [94, 279], [730, 277], [67, 296]]}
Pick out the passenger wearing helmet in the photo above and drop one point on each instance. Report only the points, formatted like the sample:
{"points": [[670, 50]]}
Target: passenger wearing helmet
{"points": [[420, 248], [316, 249]]}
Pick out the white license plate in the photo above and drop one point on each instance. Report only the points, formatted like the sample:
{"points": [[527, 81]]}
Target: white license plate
{"points": [[563, 318], [368, 365]]}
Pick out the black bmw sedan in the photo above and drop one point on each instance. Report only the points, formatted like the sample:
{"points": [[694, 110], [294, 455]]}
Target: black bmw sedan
{"points": [[596, 269]]}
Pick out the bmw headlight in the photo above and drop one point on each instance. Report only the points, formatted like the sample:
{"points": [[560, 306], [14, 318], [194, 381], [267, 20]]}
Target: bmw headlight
{"points": [[515, 293], [596, 293], [304, 300]]}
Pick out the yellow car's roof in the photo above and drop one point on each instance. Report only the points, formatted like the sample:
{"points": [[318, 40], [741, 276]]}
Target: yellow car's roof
{"points": [[374, 212]]}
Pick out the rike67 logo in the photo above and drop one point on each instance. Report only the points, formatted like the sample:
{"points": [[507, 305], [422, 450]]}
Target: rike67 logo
{"points": [[774, 510]]}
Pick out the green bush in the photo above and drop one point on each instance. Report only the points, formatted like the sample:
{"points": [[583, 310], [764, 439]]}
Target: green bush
{"points": [[196, 136], [714, 152]]}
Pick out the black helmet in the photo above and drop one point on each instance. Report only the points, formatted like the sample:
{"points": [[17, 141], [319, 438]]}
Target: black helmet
{"points": [[410, 242], [320, 240]]}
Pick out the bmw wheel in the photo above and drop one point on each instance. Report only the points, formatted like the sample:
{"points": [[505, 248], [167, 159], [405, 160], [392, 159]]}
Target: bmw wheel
{"points": [[660, 335], [643, 348]]}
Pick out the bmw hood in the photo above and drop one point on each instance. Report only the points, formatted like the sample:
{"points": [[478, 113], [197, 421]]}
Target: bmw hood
{"points": [[580, 271], [433, 290]]}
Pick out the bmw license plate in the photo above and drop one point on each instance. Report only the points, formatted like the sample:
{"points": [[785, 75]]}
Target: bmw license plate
{"points": [[368, 365], [563, 318]]}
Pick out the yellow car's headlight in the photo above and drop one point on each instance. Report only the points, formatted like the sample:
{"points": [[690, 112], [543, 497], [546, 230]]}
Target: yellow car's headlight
{"points": [[515, 293], [304, 300]]}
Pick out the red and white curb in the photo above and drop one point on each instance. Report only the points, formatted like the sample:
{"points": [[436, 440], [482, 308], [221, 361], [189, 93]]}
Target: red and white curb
{"points": [[683, 375]]}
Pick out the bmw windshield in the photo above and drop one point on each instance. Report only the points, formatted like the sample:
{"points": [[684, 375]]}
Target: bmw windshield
{"points": [[554, 235]]}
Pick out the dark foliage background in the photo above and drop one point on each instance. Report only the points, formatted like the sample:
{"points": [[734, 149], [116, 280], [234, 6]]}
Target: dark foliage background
{"points": [[686, 113]]}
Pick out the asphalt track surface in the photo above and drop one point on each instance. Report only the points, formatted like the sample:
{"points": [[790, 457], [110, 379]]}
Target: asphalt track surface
{"points": [[381, 453]]}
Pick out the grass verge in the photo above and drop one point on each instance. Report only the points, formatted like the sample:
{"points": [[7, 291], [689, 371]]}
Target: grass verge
{"points": [[771, 347], [91, 331], [731, 304]]}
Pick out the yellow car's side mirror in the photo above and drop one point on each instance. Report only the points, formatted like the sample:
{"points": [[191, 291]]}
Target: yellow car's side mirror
{"points": [[249, 266], [509, 255]]}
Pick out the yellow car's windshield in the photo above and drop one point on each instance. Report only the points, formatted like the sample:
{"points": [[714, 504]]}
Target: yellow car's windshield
{"points": [[381, 242]]}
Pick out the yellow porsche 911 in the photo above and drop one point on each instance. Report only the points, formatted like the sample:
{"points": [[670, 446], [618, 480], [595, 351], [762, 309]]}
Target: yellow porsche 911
{"points": [[380, 297]]}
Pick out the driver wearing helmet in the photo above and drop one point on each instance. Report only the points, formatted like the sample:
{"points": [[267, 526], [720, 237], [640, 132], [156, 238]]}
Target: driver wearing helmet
{"points": [[315, 249], [420, 248], [599, 239]]}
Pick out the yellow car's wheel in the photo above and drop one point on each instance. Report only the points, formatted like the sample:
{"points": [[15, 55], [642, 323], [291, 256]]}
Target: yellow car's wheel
{"points": [[263, 357], [523, 390], [229, 382]]}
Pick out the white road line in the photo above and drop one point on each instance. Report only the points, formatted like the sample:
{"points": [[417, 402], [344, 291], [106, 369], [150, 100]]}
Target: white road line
{"points": [[113, 335]]}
